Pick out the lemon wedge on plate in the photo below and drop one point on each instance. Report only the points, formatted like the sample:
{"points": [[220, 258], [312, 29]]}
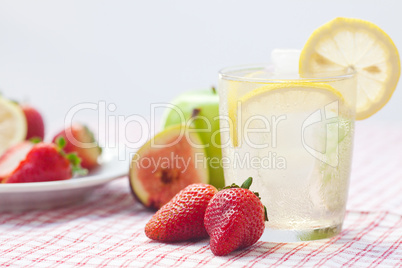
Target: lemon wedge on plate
{"points": [[352, 44], [13, 126]]}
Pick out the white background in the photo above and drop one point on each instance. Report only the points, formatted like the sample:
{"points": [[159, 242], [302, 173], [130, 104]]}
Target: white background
{"points": [[55, 54]]}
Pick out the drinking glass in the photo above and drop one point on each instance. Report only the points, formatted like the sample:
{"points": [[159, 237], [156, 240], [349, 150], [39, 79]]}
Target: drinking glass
{"points": [[293, 134]]}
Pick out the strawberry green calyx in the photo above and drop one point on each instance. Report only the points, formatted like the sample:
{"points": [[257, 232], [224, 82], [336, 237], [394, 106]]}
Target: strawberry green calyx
{"points": [[73, 158], [61, 143], [265, 213], [35, 140], [75, 162], [246, 185]]}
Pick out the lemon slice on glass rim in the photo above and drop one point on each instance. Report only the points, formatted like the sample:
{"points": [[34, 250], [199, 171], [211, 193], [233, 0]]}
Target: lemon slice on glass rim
{"points": [[343, 44], [13, 126]]}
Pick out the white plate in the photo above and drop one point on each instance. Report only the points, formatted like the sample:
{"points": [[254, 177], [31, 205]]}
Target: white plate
{"points": [[43, 195]]}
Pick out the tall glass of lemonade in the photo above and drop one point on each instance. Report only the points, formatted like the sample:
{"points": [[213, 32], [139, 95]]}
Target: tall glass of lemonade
{"points": [[294, 135]]}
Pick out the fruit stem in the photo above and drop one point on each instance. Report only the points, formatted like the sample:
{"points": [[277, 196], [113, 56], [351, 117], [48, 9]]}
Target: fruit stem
{"points": [[213, 90], [196, 112]]}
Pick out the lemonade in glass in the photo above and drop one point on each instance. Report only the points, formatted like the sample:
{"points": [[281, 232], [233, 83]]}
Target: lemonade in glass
{"points": [[294, 136]]}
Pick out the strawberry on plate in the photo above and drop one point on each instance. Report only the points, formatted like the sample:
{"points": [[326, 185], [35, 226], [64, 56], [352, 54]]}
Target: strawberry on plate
{"points": [[82, 141], [35, 124], [234, 219], [182, 218], [29, 162]]}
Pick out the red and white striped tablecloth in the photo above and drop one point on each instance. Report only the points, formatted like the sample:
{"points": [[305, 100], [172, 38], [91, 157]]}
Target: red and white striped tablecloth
{"points": [[108, 228]]}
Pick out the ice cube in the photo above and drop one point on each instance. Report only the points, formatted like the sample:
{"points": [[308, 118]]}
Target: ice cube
{"points": [[285, 61]]}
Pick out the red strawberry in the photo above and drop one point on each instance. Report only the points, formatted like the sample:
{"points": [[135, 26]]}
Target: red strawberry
{"points": [[182, 218], [12, 157], [35, 124], [234, 219], [81, 140], [28, 162]]}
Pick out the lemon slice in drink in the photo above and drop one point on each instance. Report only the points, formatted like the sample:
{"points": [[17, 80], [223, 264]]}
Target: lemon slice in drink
{"points": [[276, 100], [343, 44], [13, 126]]}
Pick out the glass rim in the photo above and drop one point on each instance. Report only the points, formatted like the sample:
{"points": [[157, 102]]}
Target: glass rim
{"points": [[228, 73]]}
